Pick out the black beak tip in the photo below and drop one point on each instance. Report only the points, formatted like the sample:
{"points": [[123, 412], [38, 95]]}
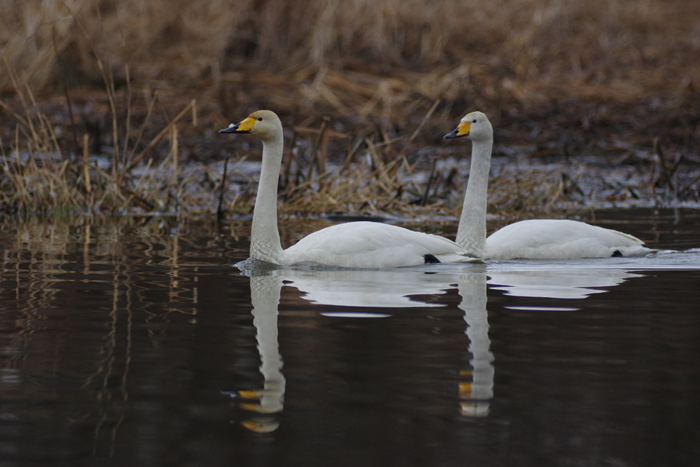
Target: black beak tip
{"points": [[231, 129], [453, 134]]}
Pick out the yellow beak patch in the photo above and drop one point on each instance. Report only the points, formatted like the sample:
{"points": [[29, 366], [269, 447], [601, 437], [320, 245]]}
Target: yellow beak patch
{"points": [[246, 125], [463, 129]]}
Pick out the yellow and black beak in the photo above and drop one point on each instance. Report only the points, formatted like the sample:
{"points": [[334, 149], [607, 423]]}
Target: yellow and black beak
{"points": [[462, 130], [244, 127]]}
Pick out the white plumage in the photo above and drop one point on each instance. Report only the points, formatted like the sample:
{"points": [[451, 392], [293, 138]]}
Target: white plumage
{"points": [[350, 245], [531, 239], [371, 245]]}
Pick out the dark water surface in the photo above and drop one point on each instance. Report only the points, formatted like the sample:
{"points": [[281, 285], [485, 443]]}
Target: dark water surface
{"points": [[135, 342]]}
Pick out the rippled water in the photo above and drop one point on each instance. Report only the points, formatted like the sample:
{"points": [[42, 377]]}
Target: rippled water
{"points": [[135, 342]]}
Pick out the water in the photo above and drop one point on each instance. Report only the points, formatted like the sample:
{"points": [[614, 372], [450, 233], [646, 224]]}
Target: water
{"points": [[135, 342]]}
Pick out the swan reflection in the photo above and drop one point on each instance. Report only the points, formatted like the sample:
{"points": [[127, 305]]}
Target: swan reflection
{"points": [[571, 284], [374, 294], [366, 290], [265, 403], [476, 395]]}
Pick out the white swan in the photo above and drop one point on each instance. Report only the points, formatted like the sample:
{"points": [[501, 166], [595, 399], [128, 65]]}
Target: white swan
{"points": [[350, 245], [530, 239]]}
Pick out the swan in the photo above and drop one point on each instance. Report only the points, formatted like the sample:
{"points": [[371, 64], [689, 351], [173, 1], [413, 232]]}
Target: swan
{"points": [[350, 245], [529, 239]]}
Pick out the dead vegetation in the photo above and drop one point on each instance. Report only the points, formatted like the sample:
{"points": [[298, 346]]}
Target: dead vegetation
{"points": [[113, 106]]}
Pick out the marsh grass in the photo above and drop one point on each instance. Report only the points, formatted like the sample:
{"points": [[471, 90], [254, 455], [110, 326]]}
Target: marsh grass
{"points": [[113, 106], [533, 41], [41, 175]]}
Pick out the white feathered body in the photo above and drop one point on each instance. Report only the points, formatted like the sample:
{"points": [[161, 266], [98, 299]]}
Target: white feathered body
{"points": [[560, 239], [371, 245]]}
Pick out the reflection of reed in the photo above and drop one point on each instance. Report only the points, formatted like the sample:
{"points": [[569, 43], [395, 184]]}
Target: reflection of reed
{"points": [[107, 411], [32, 258], [73, 295]]}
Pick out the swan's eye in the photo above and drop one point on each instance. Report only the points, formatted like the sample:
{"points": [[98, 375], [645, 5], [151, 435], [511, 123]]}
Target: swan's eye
{"points": [[474, 121], [260, 119]]}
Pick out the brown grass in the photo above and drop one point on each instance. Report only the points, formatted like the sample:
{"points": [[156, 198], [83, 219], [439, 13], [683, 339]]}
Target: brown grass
{"points": [[519, 48], [557, 77]]}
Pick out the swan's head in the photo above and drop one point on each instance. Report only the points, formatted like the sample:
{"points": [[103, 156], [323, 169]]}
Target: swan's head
{"points": [[265, 124], [475, 126]]}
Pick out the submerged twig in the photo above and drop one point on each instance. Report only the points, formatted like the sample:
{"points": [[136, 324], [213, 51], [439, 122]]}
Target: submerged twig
{"points": [[86, 163], [222, 190], [424, 198]]}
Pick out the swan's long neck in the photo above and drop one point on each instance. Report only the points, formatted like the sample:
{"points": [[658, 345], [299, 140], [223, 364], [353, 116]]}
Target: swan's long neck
{"points": [[471, 234], [265, 238]]}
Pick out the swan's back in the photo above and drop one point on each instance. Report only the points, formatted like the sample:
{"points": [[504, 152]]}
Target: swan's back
{"points": [[560, 239], [372, 245]]}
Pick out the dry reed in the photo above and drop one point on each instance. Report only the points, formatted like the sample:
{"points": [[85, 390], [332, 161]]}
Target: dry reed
{"points": [[565, 77], [595, 47]]}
